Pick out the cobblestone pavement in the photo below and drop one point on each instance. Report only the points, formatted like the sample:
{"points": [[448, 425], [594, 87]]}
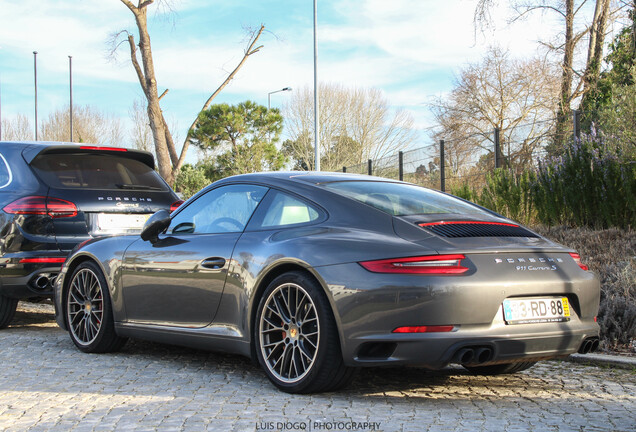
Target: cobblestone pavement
{"points": [[48, 385]]}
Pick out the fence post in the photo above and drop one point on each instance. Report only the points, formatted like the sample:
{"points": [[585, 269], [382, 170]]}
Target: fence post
{"points": [[576, 118], [344, 169], [370, 167], [497, 149], [442, 165], [401, 166]]}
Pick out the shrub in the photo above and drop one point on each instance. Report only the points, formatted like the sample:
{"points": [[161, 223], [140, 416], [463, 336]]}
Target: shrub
{"points": [[592, 184], [616, 268], [190, 180]]}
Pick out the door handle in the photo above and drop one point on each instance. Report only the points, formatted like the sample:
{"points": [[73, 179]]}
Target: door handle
{"points": [[213, 263]]}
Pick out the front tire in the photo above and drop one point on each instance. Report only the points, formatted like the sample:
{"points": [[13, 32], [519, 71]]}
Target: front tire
{"points": [[8, 307], [500, 369], [296, 337], [88, 311]]}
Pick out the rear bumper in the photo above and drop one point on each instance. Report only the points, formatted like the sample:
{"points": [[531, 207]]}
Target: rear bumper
{"points": [[499, 343], [21, 281]]}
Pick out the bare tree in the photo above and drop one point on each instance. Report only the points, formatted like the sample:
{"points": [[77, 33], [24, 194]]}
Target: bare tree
{"points": [[17, 129], [575, 82], [518, 97], [141, 135], [89, 126], [356, 124], [168, 161]]}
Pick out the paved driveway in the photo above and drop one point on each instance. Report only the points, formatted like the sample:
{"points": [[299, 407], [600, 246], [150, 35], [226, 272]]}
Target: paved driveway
{"points": [[47, 385]]}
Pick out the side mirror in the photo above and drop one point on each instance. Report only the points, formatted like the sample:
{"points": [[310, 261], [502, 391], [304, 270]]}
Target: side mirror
{"points": [[155, 224]]}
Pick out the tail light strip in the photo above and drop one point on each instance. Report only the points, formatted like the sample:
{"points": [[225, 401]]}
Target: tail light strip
{"points": [[425, 329], [431, 264], [43, 260], [467, 223]]}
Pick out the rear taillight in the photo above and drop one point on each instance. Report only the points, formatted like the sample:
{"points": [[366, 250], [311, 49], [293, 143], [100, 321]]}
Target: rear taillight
{"points": [[577, 259], [424, 329], [40, 205], [435, 264], [175, 205]]}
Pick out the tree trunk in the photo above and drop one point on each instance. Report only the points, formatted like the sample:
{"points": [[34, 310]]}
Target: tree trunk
{"points": [[168, 161], [565, 112], [595, 50]]}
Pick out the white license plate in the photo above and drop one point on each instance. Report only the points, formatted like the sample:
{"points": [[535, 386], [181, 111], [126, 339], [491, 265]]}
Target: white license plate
{"points": [[536, 310], [120, 223]]}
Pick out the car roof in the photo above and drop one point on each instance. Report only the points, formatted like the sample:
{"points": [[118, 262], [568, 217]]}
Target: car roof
{"points": [[311, 177], [31, 149]]}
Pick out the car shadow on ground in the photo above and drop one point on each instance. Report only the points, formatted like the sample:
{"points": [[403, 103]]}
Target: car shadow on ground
{"points": [[369, 382]]}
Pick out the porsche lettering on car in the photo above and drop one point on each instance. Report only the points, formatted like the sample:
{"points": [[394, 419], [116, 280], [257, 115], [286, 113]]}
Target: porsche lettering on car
{"points": [[315, 275]]}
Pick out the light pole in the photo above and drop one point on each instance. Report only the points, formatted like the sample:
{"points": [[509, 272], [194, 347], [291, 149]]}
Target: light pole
{"points": [[269, 96], [316, 112], [35, 74], [70, 84]]}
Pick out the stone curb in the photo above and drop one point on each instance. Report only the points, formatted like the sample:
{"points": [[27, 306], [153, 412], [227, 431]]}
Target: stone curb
{"points": [[623, 362]]}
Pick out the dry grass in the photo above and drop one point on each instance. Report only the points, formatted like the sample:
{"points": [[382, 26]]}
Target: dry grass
{"points": [[611, 253]]}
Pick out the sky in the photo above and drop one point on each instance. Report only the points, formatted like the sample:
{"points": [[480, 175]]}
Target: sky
{"points": [[410, 49]]}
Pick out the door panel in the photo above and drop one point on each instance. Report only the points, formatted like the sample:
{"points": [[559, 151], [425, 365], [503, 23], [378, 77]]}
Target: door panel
{"points": [[172, 282], [178, 280]]}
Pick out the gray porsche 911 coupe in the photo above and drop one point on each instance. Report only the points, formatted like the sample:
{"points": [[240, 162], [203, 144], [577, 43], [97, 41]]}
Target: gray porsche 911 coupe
{"points": [[313, 275]]}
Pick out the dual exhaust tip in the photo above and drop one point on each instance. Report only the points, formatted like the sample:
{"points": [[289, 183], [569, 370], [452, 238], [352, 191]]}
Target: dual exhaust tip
{"points": [[478, 355], [44, 281], [589, 345], [473, 355]]}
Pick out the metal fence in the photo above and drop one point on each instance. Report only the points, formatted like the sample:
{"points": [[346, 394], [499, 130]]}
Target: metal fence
{"points": [[447, 163]]}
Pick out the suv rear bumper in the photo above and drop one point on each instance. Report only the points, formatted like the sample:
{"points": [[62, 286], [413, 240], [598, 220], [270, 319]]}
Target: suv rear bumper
{"points": [[21, 281]]}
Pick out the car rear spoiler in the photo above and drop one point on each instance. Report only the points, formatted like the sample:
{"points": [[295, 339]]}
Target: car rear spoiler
{"points": [[33, 151]]}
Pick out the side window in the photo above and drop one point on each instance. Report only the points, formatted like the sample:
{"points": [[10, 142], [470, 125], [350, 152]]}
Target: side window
{"points": [[5, 173], [225, 209], [283, 209]]}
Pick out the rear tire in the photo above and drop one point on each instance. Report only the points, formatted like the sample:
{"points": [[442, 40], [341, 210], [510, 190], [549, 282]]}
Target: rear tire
{"points": [[8, 307], [88, 311], [296, 337], [500, 369]]}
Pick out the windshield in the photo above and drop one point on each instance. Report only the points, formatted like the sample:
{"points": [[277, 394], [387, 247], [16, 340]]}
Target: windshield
{"points": [[401, 199], [96, 171]]}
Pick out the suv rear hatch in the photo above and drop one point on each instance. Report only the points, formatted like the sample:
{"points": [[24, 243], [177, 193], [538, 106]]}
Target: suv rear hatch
{"points": [[99, 190]]}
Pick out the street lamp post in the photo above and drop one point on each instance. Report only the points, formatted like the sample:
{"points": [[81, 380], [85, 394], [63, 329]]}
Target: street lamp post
{"points": [[269, 96], [35, 75], [70, 85], [316, 112]]}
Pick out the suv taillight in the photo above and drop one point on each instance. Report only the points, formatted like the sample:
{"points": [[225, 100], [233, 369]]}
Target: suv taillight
{"points": [[41, 205], [175, 205]]}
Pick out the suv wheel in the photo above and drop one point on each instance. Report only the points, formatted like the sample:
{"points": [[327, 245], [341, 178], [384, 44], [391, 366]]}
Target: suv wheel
{"points": [[7, 310]]}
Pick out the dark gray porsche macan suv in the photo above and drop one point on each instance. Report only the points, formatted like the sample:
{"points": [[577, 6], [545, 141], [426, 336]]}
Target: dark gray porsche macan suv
{"points": [[315, 274], [54, 196]]}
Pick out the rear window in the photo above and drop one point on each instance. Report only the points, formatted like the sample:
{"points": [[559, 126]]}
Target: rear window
{"points": [[5, 173], [401, 199], [95, 171]]}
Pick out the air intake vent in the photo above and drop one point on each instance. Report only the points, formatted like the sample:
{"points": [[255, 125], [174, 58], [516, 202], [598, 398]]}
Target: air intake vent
{"points": [[476, 229]]}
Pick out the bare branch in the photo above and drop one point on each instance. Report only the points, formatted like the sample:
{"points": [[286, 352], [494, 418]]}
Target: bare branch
{"points": [[133, 58], [164, 93], [145, 4], [248, 52]]}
